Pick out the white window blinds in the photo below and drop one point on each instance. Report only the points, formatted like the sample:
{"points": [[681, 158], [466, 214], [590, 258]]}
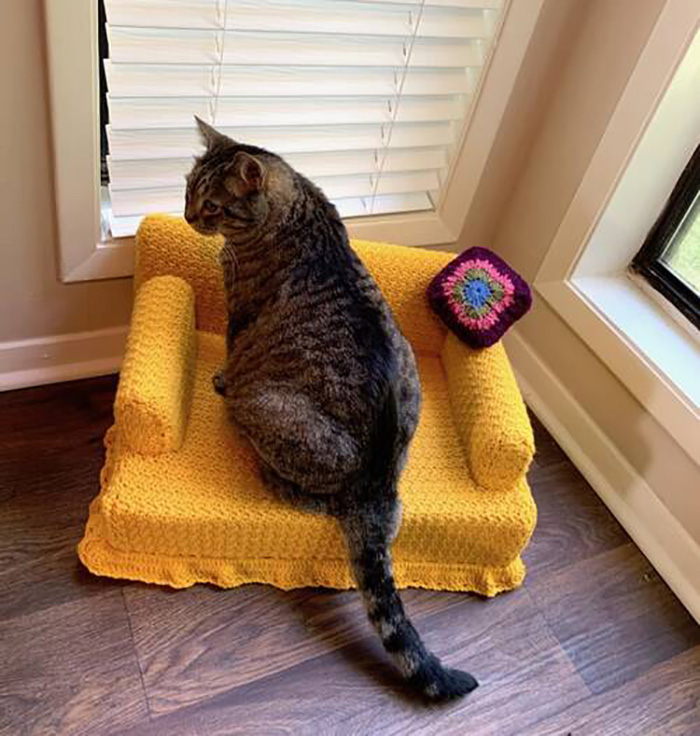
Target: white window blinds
{"points": [[366, 97]]}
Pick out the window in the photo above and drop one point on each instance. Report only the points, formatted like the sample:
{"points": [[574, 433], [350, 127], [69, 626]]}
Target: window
{"points": [[585, 276], [393, 106], [670, 256], [367, 98]]}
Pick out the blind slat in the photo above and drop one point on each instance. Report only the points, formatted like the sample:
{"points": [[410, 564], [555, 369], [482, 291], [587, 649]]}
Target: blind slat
{"points": [[125, 113], [140, 202], [174, 80], [134, 144], [350, 207], [158, 173], [305, 16], [177, 46], [473, 4]]}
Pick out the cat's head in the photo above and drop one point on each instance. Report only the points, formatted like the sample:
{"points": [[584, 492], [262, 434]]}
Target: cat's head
{"points": [[236, 190]]}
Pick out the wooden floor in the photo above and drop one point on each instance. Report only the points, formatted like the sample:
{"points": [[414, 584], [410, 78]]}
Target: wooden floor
{"points": [[593, 644]]}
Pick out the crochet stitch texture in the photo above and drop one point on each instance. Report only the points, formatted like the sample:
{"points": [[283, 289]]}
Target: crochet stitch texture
{"points": [[479, 296], [181, 500]]}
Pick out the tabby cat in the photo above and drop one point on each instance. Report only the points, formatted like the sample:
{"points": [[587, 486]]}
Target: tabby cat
{"points": [[318, 376]]}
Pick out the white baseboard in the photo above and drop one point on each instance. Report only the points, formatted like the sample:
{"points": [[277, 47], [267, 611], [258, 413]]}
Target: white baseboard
{"points": [[657, 533], [59, 358]]}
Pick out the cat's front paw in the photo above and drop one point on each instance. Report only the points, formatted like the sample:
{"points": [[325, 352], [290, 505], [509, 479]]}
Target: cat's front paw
{"points": [[219, 382]]}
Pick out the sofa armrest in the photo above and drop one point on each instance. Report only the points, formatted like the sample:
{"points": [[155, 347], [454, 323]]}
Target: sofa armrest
{"points": [[155, 386], [489, 413]]}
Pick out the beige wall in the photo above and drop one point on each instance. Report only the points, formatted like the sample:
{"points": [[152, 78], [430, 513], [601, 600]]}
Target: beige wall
{"points": [[556, 30], [609, 37], [34, 302]]}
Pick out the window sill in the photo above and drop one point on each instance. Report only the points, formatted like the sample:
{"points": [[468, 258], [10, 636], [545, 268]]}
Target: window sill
{"points": [[652, 355], [113, 257]]}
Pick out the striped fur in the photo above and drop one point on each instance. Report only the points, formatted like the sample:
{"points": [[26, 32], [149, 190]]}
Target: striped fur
{"points": [[318, 375]]}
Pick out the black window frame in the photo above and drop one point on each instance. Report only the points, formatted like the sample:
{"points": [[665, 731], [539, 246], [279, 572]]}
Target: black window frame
{"points": [[671, 225]]}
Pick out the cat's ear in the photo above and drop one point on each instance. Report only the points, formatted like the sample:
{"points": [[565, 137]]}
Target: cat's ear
{"points": [[210, 136], [248, 174]]}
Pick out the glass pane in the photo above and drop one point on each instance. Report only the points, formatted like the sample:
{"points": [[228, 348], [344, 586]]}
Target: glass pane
{"points": [[683, 253]]}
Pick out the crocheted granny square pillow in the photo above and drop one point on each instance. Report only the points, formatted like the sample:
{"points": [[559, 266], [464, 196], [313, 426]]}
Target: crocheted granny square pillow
{"points": [[479, 296]]}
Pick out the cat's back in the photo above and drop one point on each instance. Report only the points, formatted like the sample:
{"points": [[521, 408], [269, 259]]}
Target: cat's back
{"points": [[325, 321], [327, 316], [333, 295], [327, 332]]}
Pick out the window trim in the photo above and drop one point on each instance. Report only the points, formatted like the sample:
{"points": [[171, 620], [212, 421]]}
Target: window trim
{"points": [[669, 227], [72, 42], [74, 90], [585, 277]]}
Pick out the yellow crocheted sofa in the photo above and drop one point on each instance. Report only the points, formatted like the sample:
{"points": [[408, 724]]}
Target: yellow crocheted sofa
{"points": [[181, 501]]}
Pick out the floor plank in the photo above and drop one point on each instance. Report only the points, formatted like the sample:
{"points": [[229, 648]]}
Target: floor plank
{"points": [[573, 523], [525, 676], [50, 458], [548, 451], [664, 701], [614, 616], [225, 639], [69, 670]]}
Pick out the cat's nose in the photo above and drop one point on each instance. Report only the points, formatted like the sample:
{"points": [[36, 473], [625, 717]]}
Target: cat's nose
{"points": [[189, 216]]}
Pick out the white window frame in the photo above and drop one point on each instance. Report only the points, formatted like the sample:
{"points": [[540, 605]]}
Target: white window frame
{"points": [[72, 39], [585, 278]]}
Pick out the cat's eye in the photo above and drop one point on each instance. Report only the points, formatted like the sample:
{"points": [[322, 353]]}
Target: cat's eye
{"points": [[210, 206]]}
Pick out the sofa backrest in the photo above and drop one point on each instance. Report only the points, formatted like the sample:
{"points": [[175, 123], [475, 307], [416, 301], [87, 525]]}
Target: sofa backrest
{"points": [[168, 245]]}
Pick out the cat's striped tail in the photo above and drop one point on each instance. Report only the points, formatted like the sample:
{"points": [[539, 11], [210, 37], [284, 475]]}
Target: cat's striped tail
{"points": [[369, 531], [371, 561]]}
